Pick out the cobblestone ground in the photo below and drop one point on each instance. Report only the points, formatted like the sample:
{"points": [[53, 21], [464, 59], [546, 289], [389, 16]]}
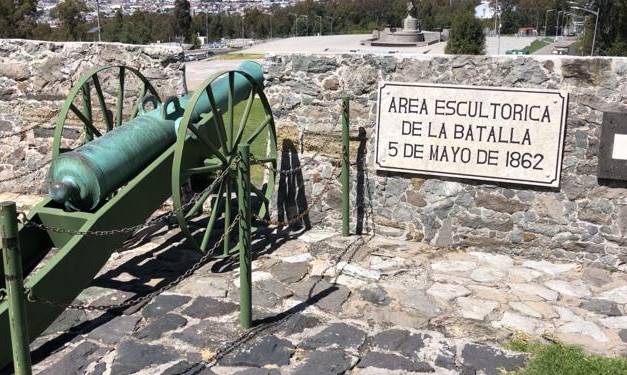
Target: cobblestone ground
{"points": [[324, 304]]}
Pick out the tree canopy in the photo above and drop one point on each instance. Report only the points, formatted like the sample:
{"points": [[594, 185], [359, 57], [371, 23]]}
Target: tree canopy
{"points": [[466, 35]]}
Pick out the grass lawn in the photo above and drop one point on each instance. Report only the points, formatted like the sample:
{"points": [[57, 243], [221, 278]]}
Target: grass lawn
{"points": [[559, 359], [537, 45]]}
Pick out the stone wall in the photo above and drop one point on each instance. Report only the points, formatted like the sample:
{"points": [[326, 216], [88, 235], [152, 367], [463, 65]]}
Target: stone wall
{"points": [[35, 78], [584, 218]]}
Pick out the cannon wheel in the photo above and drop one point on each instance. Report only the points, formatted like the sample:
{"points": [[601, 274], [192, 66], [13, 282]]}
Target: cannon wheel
{"points": [[205, 149], [95, 127]]}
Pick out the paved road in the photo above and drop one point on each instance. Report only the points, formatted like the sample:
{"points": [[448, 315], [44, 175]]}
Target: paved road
{"points": [[351, 44]]}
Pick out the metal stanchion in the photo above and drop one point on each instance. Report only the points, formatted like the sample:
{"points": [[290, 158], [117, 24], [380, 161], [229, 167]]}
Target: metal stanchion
{"points": [[245, 274], [345, 167], [15, 288]]}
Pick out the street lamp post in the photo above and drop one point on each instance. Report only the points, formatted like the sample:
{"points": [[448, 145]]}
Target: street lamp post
{"points": [[98, 17], [320, 18], [596, 25], [546, 19], [331, 24], [557, 25]]}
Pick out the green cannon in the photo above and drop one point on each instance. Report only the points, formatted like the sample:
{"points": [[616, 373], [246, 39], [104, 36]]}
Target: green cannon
{"points": [[113, 170]]}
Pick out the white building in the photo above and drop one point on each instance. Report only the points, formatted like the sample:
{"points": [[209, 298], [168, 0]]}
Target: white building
{"points": [[484, 11]]}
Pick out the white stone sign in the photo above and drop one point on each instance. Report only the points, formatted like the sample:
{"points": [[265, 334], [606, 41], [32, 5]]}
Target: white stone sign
{"points": [[483, 133]]}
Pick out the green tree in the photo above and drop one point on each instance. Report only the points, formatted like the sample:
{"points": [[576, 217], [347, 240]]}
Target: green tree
{"points": [[70, 14], [466, 36], [17, 18], [183, 20]]}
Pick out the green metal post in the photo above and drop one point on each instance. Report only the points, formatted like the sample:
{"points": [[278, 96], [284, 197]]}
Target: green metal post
{"points": [[345, 167], [245, 273], [15, 288]]}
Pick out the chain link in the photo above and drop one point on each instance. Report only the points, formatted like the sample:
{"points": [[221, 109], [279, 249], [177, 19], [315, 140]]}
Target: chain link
{"points": [[132, 302], [3, 294], [111, 232]]}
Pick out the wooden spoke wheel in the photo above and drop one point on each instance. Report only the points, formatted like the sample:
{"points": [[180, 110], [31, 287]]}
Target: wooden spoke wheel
{"points": [[207, 144], [88, 112]]}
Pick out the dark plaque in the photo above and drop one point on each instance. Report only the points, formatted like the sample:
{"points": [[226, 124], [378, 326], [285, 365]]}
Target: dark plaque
{"points": [[613, 147]]}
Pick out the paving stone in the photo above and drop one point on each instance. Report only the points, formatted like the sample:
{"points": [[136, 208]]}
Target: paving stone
{"points": [[525, 309], [519, 322], [623, 334], [417, 300], [156, 328], [163, 304], [326, 296], [188, 368], [256, 277], [393, 362], [204, 307], [567, 315], [446, 357], [258, 371], [486, 275], [396, 340], [207, 334], [601, 306], [357, 271], [448, 291], [534, 290], [68, 319], [275, 287], [376, 295], [553, 269], [290, 272], [132, 356], [618, 295], [204, 286], [75, 362], [596, 276], [500, 261], [268, 350], [263, 298], [337, 335], [299, 258], [325, 363], [298, 323], [114, 330], [584, 328], [474, 308], [490, 293], [453, 266], [615, 322], [491, 360], [521, 274], [574, 288]]}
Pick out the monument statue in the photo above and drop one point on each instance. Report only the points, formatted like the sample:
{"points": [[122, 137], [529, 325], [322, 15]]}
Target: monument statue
{"points": [[409, 36]]}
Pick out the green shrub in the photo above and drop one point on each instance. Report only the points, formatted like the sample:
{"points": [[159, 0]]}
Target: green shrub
{"points": [[466, 36]]}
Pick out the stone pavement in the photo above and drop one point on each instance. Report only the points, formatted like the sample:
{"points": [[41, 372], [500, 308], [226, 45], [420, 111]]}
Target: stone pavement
{"points": [[324, 304]]}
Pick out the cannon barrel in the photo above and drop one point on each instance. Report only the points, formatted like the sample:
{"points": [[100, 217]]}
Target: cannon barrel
{"points": [[82, 178]]}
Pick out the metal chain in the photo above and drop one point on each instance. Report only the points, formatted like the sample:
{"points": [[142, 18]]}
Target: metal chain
{"points": [[110, 232], [132, 302], [300, 216], [24, 131], [26, 173]]}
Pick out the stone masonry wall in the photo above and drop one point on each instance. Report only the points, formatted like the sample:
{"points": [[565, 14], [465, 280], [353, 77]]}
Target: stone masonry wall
{"points": [[583, 219], [35, 78]]}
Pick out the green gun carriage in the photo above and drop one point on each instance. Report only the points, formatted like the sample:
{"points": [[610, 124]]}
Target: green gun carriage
{"points": [[120, 167]]}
